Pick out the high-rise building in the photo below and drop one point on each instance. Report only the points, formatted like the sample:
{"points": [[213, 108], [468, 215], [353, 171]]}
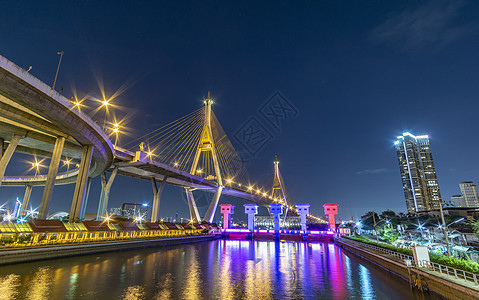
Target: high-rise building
{"points": [[116, 211], [458, 201], [418, 173], [134, 210], [470, 194]]}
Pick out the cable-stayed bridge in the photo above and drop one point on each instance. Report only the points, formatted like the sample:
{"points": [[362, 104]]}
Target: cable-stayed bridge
{"points": [[193, 152]]}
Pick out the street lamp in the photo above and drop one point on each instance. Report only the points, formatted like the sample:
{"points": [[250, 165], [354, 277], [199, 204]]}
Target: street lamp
{"points": [[446, 234], [457, 221], [36, 165], [105, 104], [58, 68], [116, 131], [444, 229]]}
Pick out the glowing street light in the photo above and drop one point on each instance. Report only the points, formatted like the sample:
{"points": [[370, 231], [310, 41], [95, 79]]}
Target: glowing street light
{"points": [[36, 165], [105, 103], [116, 131]]}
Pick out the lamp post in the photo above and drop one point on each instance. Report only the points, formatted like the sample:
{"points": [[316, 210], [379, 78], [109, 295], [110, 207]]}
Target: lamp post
{"points": [[58, 68], [445, 231], [444, 227], [375, 230]]}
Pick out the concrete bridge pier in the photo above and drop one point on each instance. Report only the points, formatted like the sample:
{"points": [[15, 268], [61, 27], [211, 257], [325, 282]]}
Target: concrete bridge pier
{"points": [[81, 184], [276, 209], [251, 210], [194, 214], [303, 211], [105, 194], [6, 155], [85, 201], [52, 174], [26, 199], [210, 214], [227, 210], [156, 198]]}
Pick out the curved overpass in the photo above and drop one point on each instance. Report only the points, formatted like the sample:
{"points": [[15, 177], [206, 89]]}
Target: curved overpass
{"points": [[31, 109], [35, 119]]}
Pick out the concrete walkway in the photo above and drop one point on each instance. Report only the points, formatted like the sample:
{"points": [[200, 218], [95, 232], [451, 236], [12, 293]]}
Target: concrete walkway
{"points": [[464, 286]]}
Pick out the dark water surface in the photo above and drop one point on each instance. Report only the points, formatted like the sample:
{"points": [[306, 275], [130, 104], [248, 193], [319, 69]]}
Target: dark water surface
{"points": [[221, 269]]}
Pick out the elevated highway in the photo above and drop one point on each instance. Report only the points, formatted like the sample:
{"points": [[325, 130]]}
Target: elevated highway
{"points": [[35, 119]]}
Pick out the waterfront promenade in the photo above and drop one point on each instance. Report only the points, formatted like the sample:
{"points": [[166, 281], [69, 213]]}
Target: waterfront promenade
{"points": [[444, 281]]}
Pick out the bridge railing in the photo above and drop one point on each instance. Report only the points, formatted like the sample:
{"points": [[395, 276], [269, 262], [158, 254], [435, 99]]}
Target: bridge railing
{"points": [[442, 269]]}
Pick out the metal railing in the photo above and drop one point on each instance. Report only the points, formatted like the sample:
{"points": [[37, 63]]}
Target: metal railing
{"points": [[401, 256], [442, 269], [457, 273]]}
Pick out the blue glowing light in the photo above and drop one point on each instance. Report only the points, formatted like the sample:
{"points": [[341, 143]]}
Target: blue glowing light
{"points": [[145, 204]]}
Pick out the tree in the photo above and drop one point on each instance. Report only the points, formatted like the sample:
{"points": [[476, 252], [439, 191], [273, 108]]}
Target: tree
{"points": [[367, 219], [388, 214], [475, 226], [388, 233]]}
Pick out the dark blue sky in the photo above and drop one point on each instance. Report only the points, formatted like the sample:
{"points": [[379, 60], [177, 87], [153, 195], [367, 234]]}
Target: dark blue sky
{"points": [[359, 73]]}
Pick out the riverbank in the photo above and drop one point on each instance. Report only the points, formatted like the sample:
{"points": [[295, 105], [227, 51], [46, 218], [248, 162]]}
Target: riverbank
{"points": [[442, 285], [12, 256]]}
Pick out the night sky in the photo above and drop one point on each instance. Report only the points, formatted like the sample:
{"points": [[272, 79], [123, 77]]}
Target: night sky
{"points": [[358, 74]]}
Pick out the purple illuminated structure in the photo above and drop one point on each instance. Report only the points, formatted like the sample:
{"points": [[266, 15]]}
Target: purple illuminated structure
{"points": [[250, 210], [276, 209], [303, 211], [227, 210], [331, 209]]}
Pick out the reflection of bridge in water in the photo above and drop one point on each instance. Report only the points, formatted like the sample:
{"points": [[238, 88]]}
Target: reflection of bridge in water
{"points": [[192, 152]]}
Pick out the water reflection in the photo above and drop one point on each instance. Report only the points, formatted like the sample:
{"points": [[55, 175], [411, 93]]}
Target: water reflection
{"points": [[133, 293], [39, 286], [220, 269], [9, 285]]}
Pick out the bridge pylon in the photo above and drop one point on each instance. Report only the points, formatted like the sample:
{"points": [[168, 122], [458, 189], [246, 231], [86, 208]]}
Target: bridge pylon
{"points": [[206, 145], [279, 189]]}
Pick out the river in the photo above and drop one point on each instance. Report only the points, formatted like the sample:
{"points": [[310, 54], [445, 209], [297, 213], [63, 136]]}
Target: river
{"points": [[220, 269]]}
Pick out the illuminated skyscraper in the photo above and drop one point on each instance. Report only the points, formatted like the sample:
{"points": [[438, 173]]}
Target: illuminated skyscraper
{"points": [[418, 173]]}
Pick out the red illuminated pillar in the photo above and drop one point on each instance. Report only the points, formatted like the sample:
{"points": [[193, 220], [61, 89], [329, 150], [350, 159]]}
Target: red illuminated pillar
{"points": [[331, 209], [227, 210]]}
